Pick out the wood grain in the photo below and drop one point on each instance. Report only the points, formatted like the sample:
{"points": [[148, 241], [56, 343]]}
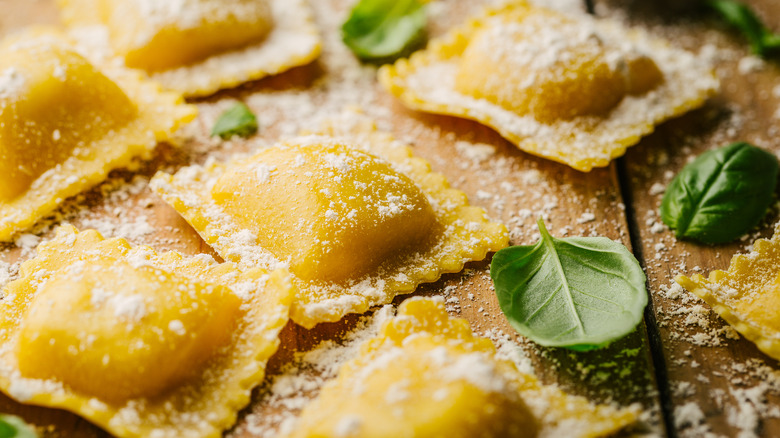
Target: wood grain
{"points": [[724, 375], [515, 188]]}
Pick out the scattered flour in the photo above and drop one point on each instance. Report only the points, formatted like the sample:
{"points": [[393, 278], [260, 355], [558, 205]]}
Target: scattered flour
{"points": [[688, 414], [301, 379], [11, 83]]}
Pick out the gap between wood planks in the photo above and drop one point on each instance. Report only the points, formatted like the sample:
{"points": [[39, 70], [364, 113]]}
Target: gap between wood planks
{"points": [[651, 325]]}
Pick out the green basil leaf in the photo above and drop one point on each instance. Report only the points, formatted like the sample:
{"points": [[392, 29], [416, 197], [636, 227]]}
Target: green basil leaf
{"points": [[579, 292], [772, 43], [762, 41], [14, 427], [722, 194], [238, 120], [744, 19], [385, 30]]}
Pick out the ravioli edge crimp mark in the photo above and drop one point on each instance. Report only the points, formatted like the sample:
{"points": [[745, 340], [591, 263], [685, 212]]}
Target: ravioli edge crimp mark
{"points": [[293, 40], [738, 293], [423, 333], [467, 232], [207, 400], [426, 81], [158, 114]]}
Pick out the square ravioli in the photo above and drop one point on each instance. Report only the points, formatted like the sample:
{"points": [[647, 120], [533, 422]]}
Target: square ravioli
{"points": [[747, 295], [571, 89], [353, 214], [198, 47], [140, 343], [66, 123], [427, 375]]}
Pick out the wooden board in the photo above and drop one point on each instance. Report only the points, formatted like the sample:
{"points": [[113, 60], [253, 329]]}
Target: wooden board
{"points": [[705, 364], [513, 187]]}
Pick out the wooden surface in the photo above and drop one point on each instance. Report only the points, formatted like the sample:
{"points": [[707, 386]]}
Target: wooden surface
{"points": [[682, 359]]}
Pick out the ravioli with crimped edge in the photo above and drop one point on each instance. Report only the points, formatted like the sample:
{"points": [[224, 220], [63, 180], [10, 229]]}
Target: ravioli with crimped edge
{"points": [[197, 47], [352, 213], [65, 123], [140, 343], [427, 375], [571, 89], [747, 294]]}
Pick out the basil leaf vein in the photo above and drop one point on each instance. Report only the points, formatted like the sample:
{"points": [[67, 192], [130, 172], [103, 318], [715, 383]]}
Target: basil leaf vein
{"points": [[581, 292], [722, 194], [237, 120], [384, 30]]}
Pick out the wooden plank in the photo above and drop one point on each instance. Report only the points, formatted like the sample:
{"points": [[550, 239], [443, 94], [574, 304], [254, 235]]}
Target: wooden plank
{"points": [[512, 186], [710, 369]]}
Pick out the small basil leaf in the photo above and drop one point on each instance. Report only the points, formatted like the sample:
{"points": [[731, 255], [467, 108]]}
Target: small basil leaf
{"points": [[762, 41], [722, 194], [580, 292], [238, 120], [384, 30], [772, 43], [744, 19], [14, 427]]}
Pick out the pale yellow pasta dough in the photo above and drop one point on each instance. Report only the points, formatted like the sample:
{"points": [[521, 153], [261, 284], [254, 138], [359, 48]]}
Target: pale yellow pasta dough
{"points": [[140, 343], [581, 83], [197, 47], [568, 88], [332, 225], [65, 124], [427, 375], [747, 295], [353, 214], [158, 35]]}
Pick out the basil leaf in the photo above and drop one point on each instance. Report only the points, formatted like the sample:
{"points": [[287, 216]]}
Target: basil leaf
{"points": [[772, 43], [238, 120], [762, 40], [14, 427], [580, 292], [384, 30], [722, 194]]}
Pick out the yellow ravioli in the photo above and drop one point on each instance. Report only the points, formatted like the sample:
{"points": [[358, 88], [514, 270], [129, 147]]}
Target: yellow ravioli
{"points": [[570, 89], [197, 47], [139, 343], [65, 124], [336, 224], [354, 216], [747, 295], [427, 375], [156, 36]]}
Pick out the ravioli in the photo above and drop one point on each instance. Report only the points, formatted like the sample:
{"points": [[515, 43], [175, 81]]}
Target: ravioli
{"points": [[354, 215], [427, 375], [747, 295], [139, 343], [65, 124], [571, 89], [197, 47]]}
